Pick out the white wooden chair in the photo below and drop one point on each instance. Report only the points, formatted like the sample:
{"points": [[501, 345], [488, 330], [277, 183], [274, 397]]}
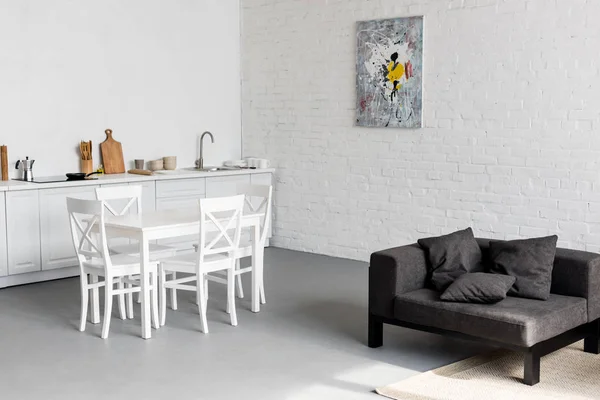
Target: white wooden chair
{"points": [[89, 239], [258, 200], [119, 200], [216, 254]]}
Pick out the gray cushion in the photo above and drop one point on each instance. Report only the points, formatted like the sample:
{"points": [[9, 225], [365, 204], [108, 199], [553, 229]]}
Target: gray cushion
{"points": [[514, 320], [478, 287], [450, 256], [530, 261]]}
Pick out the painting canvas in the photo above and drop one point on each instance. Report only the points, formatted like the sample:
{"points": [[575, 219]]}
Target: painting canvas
{"points": [[389, 66]]}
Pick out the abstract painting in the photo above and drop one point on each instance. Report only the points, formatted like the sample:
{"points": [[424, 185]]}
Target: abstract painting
{"points": [[389, 66]]}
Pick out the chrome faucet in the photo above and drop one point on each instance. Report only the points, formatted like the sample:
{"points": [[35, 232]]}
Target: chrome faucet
{"points": [[200, 161]]}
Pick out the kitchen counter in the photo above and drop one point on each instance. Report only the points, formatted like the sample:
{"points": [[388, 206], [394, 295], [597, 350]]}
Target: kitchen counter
{"points": [[13, 185], [38, 212]]}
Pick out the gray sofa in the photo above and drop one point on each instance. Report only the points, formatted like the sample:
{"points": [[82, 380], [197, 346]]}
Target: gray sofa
{"points": [[399, 295]]}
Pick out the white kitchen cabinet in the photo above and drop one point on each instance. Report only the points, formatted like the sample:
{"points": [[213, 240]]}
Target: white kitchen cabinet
{"points": [[115, 204], [180, 188], [174, 203], [23, 231], [35, 237], [225, 185], [118, 205], [3, 255], [148, 195], [56, 244], [263, 179]]}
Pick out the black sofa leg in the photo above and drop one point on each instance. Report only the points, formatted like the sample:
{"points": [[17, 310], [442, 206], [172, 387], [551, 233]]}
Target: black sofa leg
{"points": [[532, 367], [375, 332], [591, 344]]}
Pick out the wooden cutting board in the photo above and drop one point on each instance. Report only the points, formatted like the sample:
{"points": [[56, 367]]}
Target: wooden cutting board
{"points": [[112, 155]]}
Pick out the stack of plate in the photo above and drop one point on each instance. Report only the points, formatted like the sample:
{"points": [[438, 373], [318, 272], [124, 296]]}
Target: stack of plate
{"points": [[236, 163]]}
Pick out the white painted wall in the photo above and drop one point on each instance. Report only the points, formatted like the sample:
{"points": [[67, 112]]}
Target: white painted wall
{"points": [[157, 72], [510, 142]]}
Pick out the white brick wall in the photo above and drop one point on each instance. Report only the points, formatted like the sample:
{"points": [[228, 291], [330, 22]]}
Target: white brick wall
{"points": [[511, 115]]}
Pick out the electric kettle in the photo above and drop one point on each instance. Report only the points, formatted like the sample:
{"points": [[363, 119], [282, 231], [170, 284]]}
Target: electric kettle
{"points": [[26, 169]]}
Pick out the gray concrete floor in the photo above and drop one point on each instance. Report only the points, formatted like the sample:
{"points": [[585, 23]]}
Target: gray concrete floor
{"points": [[308, 342]]}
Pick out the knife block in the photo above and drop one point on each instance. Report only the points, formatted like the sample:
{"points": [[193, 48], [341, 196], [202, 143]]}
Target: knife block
{"points": [[87, 166]]}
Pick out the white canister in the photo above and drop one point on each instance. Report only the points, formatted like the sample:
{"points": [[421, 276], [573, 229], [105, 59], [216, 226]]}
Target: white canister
{"points": [[262, 163]]}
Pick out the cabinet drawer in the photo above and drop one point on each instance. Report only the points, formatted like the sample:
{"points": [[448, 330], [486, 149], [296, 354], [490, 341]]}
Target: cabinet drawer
{"points": [[180, 188]]}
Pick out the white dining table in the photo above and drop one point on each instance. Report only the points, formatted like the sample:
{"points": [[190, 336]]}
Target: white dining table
{"points": [[165, 224]]}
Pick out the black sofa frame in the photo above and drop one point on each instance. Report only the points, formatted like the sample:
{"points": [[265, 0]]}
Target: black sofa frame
{"points": [[576, 273], [590, 333]]}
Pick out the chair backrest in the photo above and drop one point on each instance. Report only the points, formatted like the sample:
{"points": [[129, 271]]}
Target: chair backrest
{"points": [[258, 200], [88, 232], [222, 217], [112, 195]]}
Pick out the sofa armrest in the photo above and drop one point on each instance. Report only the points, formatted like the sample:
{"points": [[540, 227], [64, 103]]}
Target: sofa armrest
{"points": [[577, 273], [393, 272]]}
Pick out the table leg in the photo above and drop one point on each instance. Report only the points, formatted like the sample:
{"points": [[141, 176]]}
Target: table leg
{"points": [[145, 286], [255, 269]]}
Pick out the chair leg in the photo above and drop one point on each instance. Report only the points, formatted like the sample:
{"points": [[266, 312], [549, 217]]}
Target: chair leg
{"points": [[198, 297], [122, 312], [154, 299], [108, 298], [129, 299], [591, 344], [205, 291], [85, 292], [240, 289], [231, 296], [375, 332], [263, 300], [95, 301], [174, 295], [201, 304], [531, 375], [163, 296]]}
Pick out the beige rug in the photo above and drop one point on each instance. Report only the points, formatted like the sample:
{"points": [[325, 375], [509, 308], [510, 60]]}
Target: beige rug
{"points": [[565, 374]]}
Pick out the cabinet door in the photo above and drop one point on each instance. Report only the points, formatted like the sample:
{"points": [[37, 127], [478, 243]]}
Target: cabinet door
{"points": [[118, 205], [264, 179], [57, 243], [182, 242], [148, 195], [261, 179], [23, 231], [3, 255], [221, 186]]}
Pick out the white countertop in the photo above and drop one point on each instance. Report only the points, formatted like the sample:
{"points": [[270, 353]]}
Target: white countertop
{"points": [[13, 185]]}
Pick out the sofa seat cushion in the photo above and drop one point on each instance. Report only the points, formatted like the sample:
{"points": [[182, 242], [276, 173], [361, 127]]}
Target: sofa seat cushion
{"points": [[516, 321]]}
